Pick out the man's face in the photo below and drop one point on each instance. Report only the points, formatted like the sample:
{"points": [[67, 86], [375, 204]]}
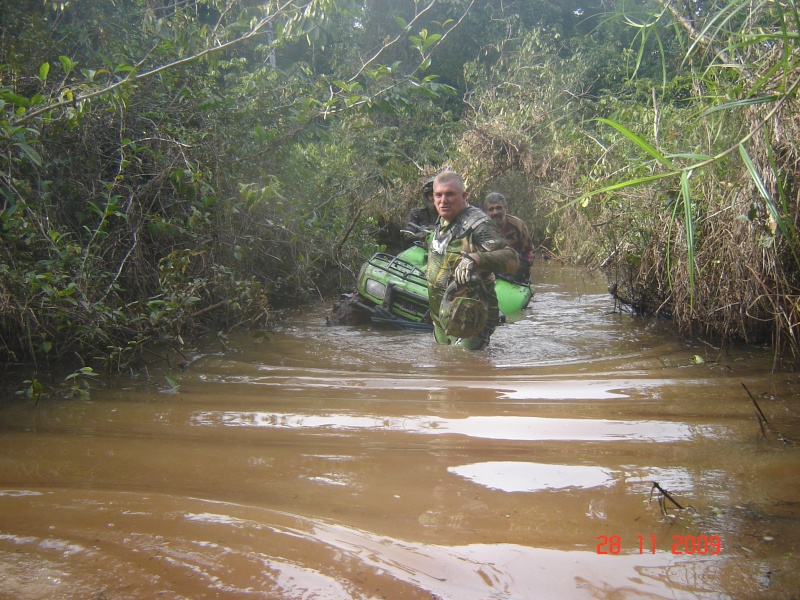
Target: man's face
{"points": [[449, 198], [497, 212]]}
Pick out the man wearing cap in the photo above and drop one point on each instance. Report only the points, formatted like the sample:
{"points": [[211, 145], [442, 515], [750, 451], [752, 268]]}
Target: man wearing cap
{"points": [[464, 252], [422, 219], [514, 230]]}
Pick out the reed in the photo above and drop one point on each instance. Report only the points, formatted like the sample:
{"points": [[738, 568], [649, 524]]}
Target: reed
{"points": [[717, 182]]}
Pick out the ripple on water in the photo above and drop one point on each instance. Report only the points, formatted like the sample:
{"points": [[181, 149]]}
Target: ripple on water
{"points": [[233, 550], [330, 463]]}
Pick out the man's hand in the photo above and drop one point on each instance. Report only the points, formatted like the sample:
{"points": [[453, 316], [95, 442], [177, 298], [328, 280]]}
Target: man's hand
{"points": [[420, 235], [412, 231], [464, 269]]}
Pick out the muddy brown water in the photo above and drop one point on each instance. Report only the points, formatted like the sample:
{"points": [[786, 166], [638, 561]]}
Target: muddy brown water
{"points": [[357, 462]]}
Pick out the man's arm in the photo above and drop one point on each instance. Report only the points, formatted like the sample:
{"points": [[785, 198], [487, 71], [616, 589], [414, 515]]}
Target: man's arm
{"points": [[526, 245], [493, 254]]}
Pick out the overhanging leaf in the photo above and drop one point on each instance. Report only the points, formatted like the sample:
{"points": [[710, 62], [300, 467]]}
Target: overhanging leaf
{"points": [[617, 186], [651, 150], [28, 151], [740, 103], [66, 64]]}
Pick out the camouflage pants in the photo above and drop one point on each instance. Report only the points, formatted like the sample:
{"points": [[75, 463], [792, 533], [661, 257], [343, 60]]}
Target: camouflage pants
{"points": [[476, 342]]}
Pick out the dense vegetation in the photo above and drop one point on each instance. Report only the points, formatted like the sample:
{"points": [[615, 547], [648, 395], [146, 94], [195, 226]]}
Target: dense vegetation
{"points": [[176, 166]]}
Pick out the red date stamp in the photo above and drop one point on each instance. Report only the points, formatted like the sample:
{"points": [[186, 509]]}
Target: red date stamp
{"points": [[680, 544]]}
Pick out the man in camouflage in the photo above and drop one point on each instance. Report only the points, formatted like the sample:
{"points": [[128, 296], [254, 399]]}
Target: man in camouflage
{"points": [[422, 219], [514, 230], [465, 242]]}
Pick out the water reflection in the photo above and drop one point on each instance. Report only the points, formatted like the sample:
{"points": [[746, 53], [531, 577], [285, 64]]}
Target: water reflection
{"points": [[522, 388], [510, 476], [489, 427]]}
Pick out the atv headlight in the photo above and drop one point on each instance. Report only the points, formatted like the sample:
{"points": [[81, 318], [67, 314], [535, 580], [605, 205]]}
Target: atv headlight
{"points": [[375, 289]]}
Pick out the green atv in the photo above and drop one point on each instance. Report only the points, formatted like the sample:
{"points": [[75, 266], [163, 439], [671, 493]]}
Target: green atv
{"points": [[393, 289]]}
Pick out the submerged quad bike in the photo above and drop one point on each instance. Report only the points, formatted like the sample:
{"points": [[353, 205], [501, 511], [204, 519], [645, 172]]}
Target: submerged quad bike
{"points": [[393, 289]]}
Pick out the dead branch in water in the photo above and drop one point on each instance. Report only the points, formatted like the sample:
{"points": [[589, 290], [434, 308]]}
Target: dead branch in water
{"points": [[762, 420], [664, 495]]}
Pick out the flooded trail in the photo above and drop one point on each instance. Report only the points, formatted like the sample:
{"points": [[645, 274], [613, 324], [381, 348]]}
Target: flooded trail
{"points": [[358, 462]]}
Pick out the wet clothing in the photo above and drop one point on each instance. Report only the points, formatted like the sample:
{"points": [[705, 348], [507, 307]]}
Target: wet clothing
{"points": [[472, 232], [516, 233]]}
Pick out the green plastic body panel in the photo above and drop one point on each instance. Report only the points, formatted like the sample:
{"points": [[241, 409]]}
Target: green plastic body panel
{"points": [[512, 297]]}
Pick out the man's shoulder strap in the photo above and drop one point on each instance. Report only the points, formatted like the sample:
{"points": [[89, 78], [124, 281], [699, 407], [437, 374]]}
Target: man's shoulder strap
{"points": [[469, 220]]}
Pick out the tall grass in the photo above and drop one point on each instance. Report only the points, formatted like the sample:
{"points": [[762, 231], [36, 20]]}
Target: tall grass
{"points": [[730, 179]]}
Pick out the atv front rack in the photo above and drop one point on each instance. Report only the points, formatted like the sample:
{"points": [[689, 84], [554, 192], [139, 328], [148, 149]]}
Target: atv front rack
{"points": [[399, 268], [397, 287]]}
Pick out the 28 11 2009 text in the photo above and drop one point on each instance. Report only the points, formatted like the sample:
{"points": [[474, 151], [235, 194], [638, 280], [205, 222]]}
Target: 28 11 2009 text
{"points": [[679, 544]]}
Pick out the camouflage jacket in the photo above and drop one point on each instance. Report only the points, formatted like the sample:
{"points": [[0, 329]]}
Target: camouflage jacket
{"points": [[516, 233], [423, 216], [474, 232]]}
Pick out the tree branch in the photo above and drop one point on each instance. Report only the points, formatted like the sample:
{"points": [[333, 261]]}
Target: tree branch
{"points": [[133, 76]]}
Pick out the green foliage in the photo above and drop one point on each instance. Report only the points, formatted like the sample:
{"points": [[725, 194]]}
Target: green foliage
{"points": [[743, 62], [79, 381], [33, 390], [161, 174], [166, 169]]}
